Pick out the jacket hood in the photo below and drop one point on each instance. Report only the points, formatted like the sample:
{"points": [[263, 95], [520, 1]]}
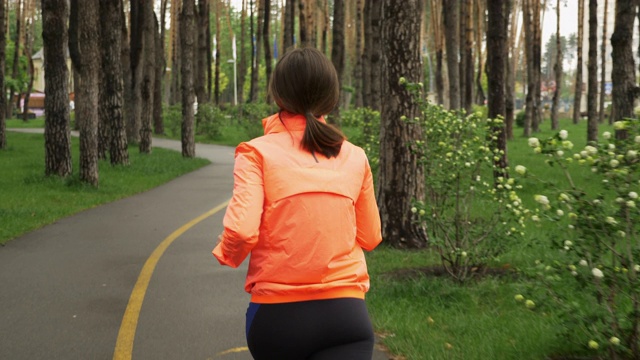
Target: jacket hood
{"points": [[290, 122]]}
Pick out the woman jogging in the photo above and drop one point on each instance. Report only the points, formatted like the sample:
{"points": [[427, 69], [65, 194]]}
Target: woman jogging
{"points": [[303, 206]]}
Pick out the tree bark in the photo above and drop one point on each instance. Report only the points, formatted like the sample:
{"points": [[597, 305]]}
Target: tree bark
{"points": [[187, 46], [401, 179], [137, 70], [603, 66], [509, 106], [266, 42], [255, 70], [592, 76], [357, 69], [557, 69], [528, 39], [337, 50], [176, 94], [289, 21], [450, 11], [16, 61], [216, 81], [373, 68], [202, 47], [57, 133], [577, 96], [468, 70], [536, 117], [148, 77], [3, 99], [623, 71], [160, 63], [480, 20], [28, 47], [436, 25], [125, 59], [242, 68], [112, 85], [497, 27], [86, 64], [306, 23]]}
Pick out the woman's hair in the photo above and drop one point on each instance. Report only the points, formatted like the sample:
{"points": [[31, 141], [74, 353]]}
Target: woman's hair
{"points": [[305, 82]]}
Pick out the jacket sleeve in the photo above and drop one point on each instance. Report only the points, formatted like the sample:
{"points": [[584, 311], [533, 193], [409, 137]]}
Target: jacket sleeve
{"points": [[242, 218], [368, 233]]}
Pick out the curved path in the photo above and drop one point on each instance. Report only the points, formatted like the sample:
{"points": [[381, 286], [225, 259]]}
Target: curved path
{"points": [[133, 279]]}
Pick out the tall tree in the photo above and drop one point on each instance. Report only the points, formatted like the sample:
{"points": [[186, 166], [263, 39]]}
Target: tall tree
{"points": [[289, 21], [480, 16], [148, 76], [577, 97], [3, 99], [242, 69], [28, 19], [531, 16], [161, 65], [513, 10], [85, 55], [357, 69], [16, 59], [372, 83], [592, 76], [306, 23], [57, 133], [266, 42], [337, 49], [187, 47], [112, 83], [497, 26], [216, 86], [175, 54], [603, 66], [623, 71], [557, 69], [134, 112], [402, 58], [255, 69], [201, 68], [450, 13], [438, 39], [536, 27], [467, 72]]}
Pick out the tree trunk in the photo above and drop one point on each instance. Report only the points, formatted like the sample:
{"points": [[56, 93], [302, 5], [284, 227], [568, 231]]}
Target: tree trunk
{"points": [[86, 64], [266, 42], [16, 61], [557, 69], [187, 46], [450, 10], [481, 19], [216, 81], [603, 66], [372, 66], [592, 77], [337, 50], [289, 21], [577, 96], [497, 27], [135, 62], [125, 59], [29, 11], [401, 179], [623, 71], [255, 70], [528, 39], [357, 70], [510, 64], [468, 71], [536, 117], [176, 92], [3, 99], [148, 77], [435, 13], [160, 63], [57, 134], [200, 75], [111, 85], [306, 23], [242, 68]]}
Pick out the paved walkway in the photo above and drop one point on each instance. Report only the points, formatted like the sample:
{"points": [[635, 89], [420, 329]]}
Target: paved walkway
{"points": [[131, 279]]}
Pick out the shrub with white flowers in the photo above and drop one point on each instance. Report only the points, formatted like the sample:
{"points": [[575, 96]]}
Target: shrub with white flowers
{"points": [[601, 232], [472, 217]]}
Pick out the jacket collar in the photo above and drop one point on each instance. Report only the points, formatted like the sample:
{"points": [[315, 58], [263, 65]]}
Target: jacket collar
{"points": [[290, 122]]}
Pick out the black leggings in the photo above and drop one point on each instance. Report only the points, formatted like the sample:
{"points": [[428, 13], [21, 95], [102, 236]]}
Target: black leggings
{"points": [[333, 329]]}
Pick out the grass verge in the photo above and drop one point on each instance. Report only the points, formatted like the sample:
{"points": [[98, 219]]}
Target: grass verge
{"points": [[30, 199]]}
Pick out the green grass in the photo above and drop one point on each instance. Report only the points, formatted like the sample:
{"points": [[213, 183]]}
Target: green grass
{"points": [[30, 200], [432, 317], [31, 123]]}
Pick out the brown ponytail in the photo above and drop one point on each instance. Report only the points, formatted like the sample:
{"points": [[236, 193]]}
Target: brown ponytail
{"points": [[305, 82]]}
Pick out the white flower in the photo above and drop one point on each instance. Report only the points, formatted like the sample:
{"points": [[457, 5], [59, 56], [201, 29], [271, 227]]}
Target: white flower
{"points": [[632, 154], [567, 144], [563, 134], [597, 273], [559, 212], [633, 195], [584, 154], [535, 218], [541, 199], [574, 273], [620, 125], [606, 135], [583, 262], [568, 243], [636, 268], [534, 142], [591, 150], [637, 139], [414, 210], [631, 203], [564, 197], [614, 163], [560, 153], [610, 220]]}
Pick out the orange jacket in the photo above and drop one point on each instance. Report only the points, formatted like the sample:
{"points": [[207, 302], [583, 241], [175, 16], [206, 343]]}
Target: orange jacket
{"points": [[304, 221]]}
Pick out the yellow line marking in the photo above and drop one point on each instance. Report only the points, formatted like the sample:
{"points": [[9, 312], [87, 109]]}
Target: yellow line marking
{"points": [[233, 350], [124, 343]]}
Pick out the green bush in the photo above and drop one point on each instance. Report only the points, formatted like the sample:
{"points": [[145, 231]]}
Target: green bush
{"points": [[520, 115], [250, 117], [172, 117], [368, 121]]}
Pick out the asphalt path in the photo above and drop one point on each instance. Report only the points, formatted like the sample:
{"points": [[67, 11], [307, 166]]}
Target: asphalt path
{"points": [[132, 279]]}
